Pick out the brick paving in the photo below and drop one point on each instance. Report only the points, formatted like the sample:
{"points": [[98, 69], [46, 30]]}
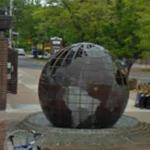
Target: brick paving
{"points": [[3, 127]]}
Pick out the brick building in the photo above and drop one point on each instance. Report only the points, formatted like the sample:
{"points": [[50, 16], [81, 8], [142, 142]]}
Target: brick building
{"points": [[4, 26], [3, 70]]}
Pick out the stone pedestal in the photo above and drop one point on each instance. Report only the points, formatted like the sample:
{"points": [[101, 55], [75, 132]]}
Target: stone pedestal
{"points": [[127, 134], [3, 70]]}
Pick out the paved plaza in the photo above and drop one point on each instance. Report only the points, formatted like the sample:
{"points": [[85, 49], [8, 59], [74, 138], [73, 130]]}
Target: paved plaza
{"points": [[26, 103]]}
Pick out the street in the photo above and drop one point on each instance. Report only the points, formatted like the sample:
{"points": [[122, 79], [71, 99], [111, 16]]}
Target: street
{"points": [[28, 62], [138, 73]]}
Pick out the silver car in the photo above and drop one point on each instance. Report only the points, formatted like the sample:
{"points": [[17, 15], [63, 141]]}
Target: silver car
{"points": [[21, 51]]}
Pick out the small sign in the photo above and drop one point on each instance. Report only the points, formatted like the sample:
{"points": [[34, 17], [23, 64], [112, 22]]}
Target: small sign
{"points": [[56, 44]]}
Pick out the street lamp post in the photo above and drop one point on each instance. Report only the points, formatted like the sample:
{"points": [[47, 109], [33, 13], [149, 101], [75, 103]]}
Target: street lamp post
{"points": [[12, 57], [10, 30]]}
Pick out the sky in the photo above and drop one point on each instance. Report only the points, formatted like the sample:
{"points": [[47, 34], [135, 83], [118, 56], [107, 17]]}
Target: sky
{"points": [[43, 2]]}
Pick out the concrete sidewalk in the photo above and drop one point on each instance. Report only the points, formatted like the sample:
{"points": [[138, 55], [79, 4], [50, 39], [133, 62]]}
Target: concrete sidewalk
{"points": [[26, 102]]}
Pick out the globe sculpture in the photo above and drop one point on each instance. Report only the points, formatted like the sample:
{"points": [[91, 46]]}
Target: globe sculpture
{"points": [[82, 87]]}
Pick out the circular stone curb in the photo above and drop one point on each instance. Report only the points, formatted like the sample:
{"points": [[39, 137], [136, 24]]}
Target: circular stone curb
{"points": [[128, 130], [39, 119]]}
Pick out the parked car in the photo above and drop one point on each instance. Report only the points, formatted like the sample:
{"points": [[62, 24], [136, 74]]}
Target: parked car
{"points": [[21, 51], [35, 52], [40, 53]]}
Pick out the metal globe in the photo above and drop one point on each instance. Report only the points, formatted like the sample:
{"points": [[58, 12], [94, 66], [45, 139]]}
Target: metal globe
{"points": [[82, 87]]}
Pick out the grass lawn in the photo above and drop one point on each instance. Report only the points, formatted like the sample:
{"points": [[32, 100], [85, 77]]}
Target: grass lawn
{"points": [[146, 69]]}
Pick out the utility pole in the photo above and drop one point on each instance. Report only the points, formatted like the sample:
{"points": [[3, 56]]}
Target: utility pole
{"points": [[10, 14], [12, 57]]}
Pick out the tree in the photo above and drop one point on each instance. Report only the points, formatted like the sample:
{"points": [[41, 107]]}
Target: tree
{"points": [[115, 24], [23, 22], [121, 32], [144, 34], [4, 3], [88, 17]]}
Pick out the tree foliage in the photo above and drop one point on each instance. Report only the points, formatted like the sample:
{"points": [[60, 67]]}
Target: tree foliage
{"points": [[122, 26]]}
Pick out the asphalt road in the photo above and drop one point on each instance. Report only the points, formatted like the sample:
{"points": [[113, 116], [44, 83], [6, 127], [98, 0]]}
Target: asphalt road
{"points": [[30, 63], [138, 73]]}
